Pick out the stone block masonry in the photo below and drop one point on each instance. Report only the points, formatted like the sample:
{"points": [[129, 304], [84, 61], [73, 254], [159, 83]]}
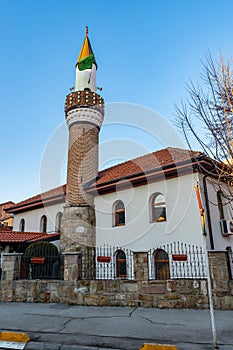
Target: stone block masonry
{"points": [[180, 293], [11, 266], [78, 228], [161, 294], [141, 268]]}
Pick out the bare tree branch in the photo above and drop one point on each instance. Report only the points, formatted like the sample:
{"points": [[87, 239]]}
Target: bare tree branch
{"points": [[209, 110]]}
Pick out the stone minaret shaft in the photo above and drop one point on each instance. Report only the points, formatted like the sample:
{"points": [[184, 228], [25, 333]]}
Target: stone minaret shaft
{"points": [[84, 110]]}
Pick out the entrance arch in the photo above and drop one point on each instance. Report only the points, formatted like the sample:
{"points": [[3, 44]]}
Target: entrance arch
{"points": [[42, 261]]}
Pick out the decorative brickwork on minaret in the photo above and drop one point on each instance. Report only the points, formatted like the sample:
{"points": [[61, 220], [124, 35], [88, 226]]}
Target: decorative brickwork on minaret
{"points": [[84, 114], [84, 110], [82, 162]]}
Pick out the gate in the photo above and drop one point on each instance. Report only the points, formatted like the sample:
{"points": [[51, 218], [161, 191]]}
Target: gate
{"points": [[41, 261]]}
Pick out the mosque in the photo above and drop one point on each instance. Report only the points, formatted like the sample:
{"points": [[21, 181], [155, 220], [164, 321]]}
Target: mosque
{"points": [[136, 206]]}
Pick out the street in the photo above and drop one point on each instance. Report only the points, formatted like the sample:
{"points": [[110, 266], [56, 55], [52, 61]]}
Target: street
{"points": [[65, 327]]}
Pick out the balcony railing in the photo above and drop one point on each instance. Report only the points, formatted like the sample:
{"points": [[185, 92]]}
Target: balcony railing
{"points": [[84, 99]]}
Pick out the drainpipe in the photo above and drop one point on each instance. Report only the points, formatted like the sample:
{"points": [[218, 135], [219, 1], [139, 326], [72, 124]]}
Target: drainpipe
{"points": [[208, 210]]}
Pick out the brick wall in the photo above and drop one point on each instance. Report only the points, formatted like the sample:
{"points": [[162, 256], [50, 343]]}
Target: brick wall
{"points": [[82, 162]]}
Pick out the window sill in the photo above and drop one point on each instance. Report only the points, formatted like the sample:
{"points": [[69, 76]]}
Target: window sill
{"points": [[156, 222]]}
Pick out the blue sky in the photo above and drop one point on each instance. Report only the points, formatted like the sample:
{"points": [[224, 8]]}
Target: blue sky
{"points": [[146, 51]]}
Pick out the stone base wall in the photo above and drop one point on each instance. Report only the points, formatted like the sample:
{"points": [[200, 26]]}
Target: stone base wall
{"points": [[181, 293], [161, 294], [11, 266], [78, 228]]}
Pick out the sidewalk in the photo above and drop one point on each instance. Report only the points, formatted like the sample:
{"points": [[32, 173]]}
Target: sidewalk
{"points": [[64, 327]]}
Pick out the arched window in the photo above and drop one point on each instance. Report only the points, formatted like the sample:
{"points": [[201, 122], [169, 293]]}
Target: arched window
{"points": [[120, 263], [58, 222], [119, 213], [158, 208], [220, 205], [43, 224], [22, 225], [161, 265]]}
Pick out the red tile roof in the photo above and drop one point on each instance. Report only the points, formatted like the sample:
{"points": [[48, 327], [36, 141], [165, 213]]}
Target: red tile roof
{"points": [[156, 162], [143, 164], [55, 195], [26, 237]]}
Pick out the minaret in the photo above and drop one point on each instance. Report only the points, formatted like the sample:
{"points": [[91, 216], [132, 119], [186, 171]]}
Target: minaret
{"points": [[84, 110]]}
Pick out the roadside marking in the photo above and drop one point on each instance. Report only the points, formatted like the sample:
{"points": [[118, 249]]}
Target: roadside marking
{"points": [[11, 345], [13, 340], [158, 347]]}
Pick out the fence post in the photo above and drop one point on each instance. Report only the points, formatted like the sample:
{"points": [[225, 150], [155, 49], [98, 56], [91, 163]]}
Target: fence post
{"points": [[72, 265], [219, 270], [11, 263], [141, 267]]}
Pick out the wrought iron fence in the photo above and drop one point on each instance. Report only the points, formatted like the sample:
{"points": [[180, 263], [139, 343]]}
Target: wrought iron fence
{"points": [[177, 260], [170, 261], [86, 269], [114, 263], [49, 267]]}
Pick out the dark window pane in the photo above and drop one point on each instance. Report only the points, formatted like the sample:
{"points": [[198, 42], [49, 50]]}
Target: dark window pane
{"points": [[22, 225], [121, 268], [161, 261], [120, 218], [121, 255], [120, 205], [220, 205], [121, 264], [43, 223], [159, 214]]}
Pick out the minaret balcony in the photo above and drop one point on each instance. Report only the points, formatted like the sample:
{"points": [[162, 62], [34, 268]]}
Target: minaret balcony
{"points": [[84, 99]]}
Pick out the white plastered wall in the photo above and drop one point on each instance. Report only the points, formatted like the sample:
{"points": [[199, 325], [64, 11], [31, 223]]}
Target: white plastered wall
{"points": [[32, 218], [213, 186], [139, 234], [86, 79]]}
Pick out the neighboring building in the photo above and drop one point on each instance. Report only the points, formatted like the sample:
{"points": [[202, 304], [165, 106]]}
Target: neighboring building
{"points": [[5, 218]]}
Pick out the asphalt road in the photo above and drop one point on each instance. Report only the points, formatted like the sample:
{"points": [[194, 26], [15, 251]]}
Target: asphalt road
{"points": [[64, 327]]}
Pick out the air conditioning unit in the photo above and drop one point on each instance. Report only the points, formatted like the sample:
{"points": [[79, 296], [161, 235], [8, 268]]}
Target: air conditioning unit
{"points": [[226, 227]]}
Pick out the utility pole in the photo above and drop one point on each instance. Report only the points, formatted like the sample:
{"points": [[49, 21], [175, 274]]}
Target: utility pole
{"points": [[204, 234]]}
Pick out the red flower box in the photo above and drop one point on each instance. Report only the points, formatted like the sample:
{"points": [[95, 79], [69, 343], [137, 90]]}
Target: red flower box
{"points": [[104, 259], [179, 257], [37, 260]]}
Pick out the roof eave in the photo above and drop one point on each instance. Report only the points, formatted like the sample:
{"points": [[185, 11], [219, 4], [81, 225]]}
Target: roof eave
{"points": [[42, 202], [154, 175]]}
